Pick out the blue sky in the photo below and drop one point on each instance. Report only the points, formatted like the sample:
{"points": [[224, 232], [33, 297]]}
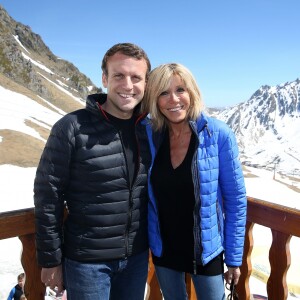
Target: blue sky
{"points": [[232, 47]]}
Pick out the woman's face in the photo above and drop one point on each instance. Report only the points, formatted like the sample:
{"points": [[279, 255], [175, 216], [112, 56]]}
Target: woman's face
{"points": [[174, 102]]}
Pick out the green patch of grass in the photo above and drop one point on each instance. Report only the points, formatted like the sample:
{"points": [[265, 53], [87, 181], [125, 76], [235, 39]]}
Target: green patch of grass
{"points": [[5, 63]]}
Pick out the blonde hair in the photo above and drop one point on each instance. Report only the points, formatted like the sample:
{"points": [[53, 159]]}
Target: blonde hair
{"points": [[158, 82]]}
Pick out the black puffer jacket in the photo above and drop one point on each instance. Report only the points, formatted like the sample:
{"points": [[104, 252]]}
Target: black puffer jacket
{"points": [[83, 164]]}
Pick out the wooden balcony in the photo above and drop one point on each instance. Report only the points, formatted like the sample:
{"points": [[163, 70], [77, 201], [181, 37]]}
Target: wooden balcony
{"points": [[282, 221]]}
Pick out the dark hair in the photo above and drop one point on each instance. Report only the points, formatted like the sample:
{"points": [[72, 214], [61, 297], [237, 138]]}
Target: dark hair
{"points": [[21, 276], [128, 49]]}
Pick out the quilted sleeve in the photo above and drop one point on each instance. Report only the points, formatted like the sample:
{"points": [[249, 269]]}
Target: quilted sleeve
{"points": [[233, 192], [49, 187]]}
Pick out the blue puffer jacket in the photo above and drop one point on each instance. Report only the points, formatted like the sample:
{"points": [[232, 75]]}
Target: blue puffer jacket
{"points": [[221, 204]]}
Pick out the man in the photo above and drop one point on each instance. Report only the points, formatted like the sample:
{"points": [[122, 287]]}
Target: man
{"points": [[17, 291], [96, 161]]}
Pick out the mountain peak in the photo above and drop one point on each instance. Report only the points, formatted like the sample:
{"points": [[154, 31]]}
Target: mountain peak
{"points": [[25, 59], [267, 127]]}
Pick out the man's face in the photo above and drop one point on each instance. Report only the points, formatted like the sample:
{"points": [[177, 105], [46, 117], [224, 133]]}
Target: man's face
{"points": [[125, 84]]}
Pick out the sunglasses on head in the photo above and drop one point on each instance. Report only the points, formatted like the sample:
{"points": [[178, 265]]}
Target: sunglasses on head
{"points": [[233, 294]]}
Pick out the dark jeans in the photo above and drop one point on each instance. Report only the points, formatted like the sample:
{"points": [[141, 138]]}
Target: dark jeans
{"points": [[123, 279], [172, 284]]}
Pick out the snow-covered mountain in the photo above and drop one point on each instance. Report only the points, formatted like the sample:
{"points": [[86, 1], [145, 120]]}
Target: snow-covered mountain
{"points": [[267, 127], [36, 89], [26, 60]]}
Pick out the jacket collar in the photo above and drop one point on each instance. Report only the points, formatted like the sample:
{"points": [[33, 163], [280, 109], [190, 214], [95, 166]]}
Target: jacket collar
{"points": [[94, 104], [200, 123]]}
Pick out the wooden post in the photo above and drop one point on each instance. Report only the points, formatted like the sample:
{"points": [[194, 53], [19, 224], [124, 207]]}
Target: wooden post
{"points": [[280, 261], [243, 289], [154, 289], [34, 288], [190, 287]]}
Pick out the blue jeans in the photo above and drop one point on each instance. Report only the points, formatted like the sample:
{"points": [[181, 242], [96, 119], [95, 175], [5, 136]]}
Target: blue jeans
{"points": [[123, 279], [172, 285]]}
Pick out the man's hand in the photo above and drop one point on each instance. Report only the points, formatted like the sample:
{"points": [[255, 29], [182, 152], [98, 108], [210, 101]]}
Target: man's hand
{"points": [[232, 274], [53, 277]]}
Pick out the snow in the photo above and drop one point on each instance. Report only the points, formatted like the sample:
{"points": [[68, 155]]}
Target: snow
{"points": [[16, 198], [271, 190], [15, 109], [278, 143], [10, 254], [17, 39], [53, 106], [63, 90], [38, 64], [43, 67], [90, 87]]}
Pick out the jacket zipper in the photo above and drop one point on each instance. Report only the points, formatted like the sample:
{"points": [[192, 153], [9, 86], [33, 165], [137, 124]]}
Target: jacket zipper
{"points": [[129, 215], [130, 185], [155, 199], [197, 223]]}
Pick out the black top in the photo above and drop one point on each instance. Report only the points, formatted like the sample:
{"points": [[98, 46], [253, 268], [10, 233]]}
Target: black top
{"points": [[126, 128], [174, 191]]}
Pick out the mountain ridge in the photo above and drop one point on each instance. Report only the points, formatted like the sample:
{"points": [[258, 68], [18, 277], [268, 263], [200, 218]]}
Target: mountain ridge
{"points": [[265, 125], [25, 59], [35, 84]]}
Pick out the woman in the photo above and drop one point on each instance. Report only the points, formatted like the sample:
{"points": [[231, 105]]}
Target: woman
{"points": [[197, 207]]}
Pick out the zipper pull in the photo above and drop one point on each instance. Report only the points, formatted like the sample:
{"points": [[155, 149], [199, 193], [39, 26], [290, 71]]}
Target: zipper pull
{"points": [[195, 267], [208, 131]]}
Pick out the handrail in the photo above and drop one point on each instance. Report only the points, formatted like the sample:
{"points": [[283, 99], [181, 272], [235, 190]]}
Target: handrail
{"points": [[283, 222], [20, 223], [278, 217], [16, 223]]}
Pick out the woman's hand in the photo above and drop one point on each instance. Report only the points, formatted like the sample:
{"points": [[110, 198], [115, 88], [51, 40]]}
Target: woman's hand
{"points": [[232, 274]]}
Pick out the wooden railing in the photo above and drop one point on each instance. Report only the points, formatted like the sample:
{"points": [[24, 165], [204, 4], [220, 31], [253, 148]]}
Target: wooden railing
{"points": [[284, 223]]}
